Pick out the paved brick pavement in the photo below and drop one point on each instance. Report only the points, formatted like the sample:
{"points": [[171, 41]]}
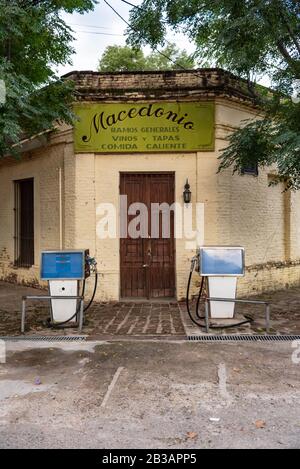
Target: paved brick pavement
{"points": [[139, 319], [127, 319], [108, 319]]}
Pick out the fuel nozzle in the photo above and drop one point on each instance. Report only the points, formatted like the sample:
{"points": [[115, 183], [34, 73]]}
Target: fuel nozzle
{"points": [[194, 263], [92, 263]]}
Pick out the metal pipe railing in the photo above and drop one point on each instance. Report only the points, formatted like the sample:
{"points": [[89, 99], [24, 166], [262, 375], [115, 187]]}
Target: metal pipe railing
{"points": [[231, 300], [46, 297]]}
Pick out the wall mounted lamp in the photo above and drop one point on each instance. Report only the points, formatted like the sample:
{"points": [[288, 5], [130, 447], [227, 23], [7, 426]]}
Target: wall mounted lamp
{"points": [[187, 194]]}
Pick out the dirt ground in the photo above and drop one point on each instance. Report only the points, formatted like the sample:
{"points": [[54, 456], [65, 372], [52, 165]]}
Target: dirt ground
{"points": [[138, 383], [149, 394]]}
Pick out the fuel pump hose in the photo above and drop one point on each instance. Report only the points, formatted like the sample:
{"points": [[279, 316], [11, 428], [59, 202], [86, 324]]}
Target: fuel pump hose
{"points": [[59, 324], [227, 326]]}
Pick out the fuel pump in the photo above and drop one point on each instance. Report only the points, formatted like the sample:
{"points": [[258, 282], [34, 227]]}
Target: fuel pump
{"points": [[219, 268], [65, 271]]}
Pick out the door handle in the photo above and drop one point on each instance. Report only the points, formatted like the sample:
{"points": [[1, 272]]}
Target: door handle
{"points": [[146, 265]]}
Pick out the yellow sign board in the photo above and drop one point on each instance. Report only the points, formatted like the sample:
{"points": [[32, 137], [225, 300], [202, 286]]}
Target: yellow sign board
{"points": [[144, 127]]}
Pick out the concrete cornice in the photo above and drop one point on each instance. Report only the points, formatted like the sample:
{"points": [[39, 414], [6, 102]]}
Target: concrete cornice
{"points": [[174, 84]]}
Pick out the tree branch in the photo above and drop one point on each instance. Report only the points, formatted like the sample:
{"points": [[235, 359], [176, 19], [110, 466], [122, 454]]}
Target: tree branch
{"points": [[289, 59], [291, 32]]}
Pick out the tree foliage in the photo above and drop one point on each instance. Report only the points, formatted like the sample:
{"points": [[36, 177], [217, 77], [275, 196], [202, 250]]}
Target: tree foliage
{"points": [[252, 38], [125, 58], [33, 41], [120, 59]]}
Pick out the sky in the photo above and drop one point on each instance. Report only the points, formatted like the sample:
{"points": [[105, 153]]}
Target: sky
{"points": [[96, 30]]}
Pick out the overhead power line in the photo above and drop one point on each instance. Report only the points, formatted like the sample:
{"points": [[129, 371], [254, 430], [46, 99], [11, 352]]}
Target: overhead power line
{"points": [[133, 29], [131, 4], [88, 26], [139, 8], [97, 33]]}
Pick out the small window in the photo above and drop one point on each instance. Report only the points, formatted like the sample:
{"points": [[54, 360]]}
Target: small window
{"points": [[251, 169], [24, 223]]}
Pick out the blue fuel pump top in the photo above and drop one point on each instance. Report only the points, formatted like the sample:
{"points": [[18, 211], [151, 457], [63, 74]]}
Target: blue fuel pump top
{"points": [[64, 270]]}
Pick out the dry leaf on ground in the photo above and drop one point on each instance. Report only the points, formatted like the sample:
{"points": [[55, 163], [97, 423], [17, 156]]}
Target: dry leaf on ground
{"points": [[192, 435], [260, 424]]}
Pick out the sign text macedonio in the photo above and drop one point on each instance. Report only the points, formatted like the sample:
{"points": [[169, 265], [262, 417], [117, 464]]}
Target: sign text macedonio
{"points": [[144, 127]]}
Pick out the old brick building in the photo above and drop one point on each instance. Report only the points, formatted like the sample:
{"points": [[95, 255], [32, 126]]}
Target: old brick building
{"points": [[144, 135]]}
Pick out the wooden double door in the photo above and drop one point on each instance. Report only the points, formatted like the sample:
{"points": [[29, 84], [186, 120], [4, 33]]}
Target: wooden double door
{"points": [[147, 245]]}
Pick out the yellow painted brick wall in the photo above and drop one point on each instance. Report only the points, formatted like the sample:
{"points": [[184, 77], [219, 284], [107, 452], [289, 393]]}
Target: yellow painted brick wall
{"points": [[238, 210], [42, 165], [265, 220]]}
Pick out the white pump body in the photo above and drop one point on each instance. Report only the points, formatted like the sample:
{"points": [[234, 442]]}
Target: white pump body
{"points": [[222, 265]]}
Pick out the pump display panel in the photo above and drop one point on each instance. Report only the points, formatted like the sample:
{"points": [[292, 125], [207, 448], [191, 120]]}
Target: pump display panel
{"points": [[225, 261], [63, 265]]}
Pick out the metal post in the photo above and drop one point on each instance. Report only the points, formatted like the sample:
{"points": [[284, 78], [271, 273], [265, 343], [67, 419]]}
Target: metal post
{"points": [[60, 209], [206, 317], [23, 315], [81, 315], [267, 318]]}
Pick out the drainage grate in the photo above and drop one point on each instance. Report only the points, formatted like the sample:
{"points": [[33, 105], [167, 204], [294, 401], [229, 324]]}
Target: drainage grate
{"points": [[243, 338], [45, 338]]}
